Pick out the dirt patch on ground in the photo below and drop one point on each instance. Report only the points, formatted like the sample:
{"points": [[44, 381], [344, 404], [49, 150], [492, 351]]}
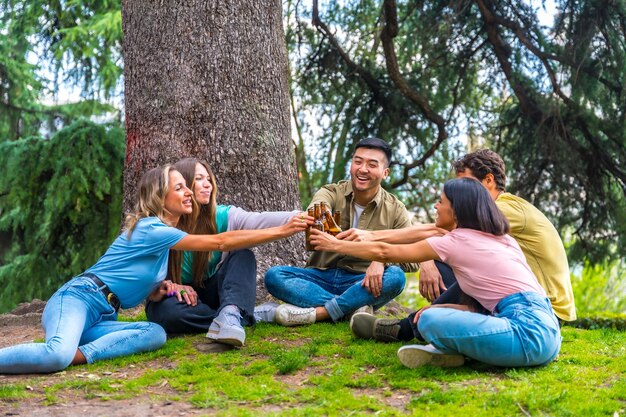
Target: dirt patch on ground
{"points": [[23, 325], [140, 406]]}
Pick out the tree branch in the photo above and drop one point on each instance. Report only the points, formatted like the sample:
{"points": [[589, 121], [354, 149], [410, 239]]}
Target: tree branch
{"points": [[389, 32], [531, 108]]}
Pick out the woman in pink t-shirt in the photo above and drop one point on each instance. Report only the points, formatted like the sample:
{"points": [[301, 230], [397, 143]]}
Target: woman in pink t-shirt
{"points": [[521, 329]]}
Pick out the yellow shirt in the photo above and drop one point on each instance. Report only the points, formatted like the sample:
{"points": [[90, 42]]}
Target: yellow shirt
{"points": [[544, 251]]}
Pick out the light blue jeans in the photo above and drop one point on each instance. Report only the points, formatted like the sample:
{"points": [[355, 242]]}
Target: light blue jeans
{"points": [[523, 331], [338, 290], [78, 316]]}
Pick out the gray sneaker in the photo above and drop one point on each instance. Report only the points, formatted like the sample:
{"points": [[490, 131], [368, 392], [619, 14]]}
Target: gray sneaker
{"points": [[368, 326], [265, 313], [226, 328], [290, 315], [413, 356]]}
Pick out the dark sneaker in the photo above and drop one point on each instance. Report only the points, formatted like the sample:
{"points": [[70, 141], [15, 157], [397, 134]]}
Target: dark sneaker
{"points": [[290, 315], [226, 328], [368, 326], [414, 356], [365, 309]]}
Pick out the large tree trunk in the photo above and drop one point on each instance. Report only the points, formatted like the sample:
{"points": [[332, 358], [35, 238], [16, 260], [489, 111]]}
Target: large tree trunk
{"points": [[209, 79]]}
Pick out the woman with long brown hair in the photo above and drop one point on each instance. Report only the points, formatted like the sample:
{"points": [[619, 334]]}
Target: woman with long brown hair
{"points": [[224, 282]]}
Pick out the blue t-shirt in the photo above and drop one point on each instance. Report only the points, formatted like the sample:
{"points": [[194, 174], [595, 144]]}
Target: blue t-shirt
{"points": [[221, 218], [133, 267]]}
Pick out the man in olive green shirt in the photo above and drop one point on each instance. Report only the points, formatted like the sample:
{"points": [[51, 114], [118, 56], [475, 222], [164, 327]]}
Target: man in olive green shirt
{"points": [[333, 286]]}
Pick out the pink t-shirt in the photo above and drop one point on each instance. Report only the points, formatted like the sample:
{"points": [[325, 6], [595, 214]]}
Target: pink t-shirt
{"points": [[487, 267]]}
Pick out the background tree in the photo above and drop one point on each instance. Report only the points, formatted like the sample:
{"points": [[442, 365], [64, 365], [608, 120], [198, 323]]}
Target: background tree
{"points": [[550, 99], [429, 76], [210, 80], [46, 44], [60, 179]]}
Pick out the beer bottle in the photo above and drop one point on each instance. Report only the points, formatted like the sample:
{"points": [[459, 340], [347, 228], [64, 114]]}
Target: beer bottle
{"points": [[323, 210], [333, 228], [311, 213], [318, 218], [337, 218]]}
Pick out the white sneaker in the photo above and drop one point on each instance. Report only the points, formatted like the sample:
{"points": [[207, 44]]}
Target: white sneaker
{"points": [[265, 313], [290, 315], [226, 328], [413, 356]]}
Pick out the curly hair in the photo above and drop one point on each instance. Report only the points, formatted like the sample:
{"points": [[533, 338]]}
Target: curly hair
{"points": [[481, 163]]}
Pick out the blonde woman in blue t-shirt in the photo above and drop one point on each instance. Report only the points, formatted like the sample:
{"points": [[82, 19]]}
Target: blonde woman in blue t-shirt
{"points": [[80, 319]]}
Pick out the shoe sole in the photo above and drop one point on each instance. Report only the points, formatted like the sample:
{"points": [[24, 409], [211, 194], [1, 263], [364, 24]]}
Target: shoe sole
{"points": [[224, 337], [287, 323], [414, 358], [228, 341]]}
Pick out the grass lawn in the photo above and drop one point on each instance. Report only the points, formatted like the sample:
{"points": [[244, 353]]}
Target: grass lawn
{"points": [[321, 370]]}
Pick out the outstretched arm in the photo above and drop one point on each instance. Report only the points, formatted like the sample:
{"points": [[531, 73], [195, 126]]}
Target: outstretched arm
{"points": [[238, 239], [239, 219], [411, 234], [374, 251]]}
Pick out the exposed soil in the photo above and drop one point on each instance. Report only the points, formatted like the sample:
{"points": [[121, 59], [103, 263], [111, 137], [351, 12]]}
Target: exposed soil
{"points": [[23, 325]]}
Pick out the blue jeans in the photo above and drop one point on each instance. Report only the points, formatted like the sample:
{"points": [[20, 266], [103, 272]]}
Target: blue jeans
{"points": [[338, 290], [233, 283], [523, 331], [78, 316]]}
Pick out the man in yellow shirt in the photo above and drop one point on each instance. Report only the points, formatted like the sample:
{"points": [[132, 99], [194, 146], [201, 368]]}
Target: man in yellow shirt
{"points": [[537, 237], [532, 230]]}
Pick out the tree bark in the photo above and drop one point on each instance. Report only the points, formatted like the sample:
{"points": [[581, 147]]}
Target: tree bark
{"points": [[210, 80]]}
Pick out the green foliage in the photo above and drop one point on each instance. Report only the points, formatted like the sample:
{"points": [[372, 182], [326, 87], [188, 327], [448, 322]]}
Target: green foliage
{"points": [[600, 288], [75, 43], [338, 103], [80, 38], [60, 207], [550, 99]]}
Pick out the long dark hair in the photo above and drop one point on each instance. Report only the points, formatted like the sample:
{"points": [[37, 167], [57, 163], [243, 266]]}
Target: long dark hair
{"points": [[474, 208], [201, 222]]}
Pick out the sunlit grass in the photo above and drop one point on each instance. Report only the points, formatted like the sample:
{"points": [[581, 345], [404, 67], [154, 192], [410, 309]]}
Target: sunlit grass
{"points": [[322, 370]]}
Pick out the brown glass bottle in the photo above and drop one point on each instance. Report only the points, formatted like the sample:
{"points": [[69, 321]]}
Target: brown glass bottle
{"points": [[317, 215], [323, 210], [337, 218], [333, 227], [311, 213]]}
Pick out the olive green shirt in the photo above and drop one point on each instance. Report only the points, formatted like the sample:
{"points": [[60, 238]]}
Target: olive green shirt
{"points": [[385, 211]]}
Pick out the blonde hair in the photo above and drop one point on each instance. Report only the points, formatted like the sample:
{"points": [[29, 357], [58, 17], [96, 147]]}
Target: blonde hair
{"points": [[153, 188], [201, 222]]}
